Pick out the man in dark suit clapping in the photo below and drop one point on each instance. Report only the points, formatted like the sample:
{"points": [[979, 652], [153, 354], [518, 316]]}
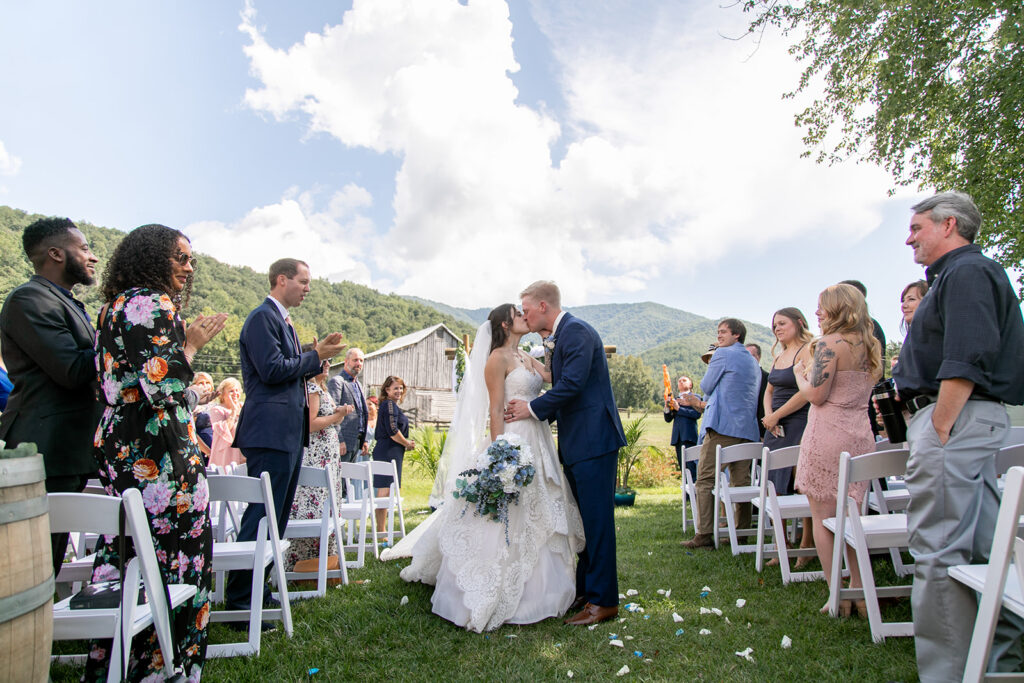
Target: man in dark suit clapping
{"points": [[273, 427], [47, 341]]}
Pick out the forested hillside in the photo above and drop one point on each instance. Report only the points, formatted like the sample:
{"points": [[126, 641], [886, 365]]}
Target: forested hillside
{"points": [[367, 318]]}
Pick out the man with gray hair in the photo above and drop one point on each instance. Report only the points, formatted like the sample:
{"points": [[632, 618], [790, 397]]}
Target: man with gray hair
{"points": [[962, 360], [346, 390]]}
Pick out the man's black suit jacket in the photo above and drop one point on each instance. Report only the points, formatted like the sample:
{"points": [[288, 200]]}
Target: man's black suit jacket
{"points": [[47, 344]]}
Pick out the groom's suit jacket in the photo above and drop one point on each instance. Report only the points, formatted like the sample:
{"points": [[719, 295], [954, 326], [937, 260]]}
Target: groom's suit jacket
{"points": [[580, 398]]}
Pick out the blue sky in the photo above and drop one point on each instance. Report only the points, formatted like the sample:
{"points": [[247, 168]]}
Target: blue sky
{"points": [[455, 151]]}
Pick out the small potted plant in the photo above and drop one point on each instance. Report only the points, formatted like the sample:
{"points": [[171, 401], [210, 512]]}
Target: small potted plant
{"points": [[628, 457]]}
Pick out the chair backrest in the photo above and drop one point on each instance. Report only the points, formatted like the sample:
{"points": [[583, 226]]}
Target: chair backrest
{"points": [[885, 445], [71, 512], [780, 458], [314, 476], [753, 450], [876, 465], [232, 488], [1009, 456], [692, 454], [355, 471], [387, 469]]}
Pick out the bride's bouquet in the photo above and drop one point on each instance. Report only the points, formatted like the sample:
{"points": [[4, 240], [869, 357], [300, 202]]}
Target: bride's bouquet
{"points": [[494, 484]]}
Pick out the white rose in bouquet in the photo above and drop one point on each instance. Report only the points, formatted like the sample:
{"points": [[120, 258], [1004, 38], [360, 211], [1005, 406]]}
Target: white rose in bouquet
{"points": [[525, 456], [507, 477]]}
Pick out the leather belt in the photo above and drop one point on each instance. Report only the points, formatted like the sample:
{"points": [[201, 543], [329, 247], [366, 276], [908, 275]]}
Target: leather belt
{"points": [[918, 402]]}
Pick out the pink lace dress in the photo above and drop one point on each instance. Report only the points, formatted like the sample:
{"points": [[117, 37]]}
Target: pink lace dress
{"points": [[839, 424]]}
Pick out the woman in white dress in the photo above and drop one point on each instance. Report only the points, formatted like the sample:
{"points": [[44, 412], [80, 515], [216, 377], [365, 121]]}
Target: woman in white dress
{"points": [[482, 582]]}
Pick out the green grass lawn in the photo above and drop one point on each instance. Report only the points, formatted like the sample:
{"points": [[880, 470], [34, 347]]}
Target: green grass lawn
{"points": [[362, 632]]}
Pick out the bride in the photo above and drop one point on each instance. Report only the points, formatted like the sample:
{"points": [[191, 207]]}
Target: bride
{"points": [[480, 580]]}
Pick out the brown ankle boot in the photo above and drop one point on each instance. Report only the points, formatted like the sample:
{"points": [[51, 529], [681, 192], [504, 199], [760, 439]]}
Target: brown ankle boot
{"points": [[700, 541]]}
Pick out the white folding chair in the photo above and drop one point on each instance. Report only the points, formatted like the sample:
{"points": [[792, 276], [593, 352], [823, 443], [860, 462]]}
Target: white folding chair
{"points": [[78, 512], [688, 488], [896, 497], [775, 510], [999, 584], [267, 550], [729, 495], [865, 533], [391, 502], [356, 509], [323, 528]]}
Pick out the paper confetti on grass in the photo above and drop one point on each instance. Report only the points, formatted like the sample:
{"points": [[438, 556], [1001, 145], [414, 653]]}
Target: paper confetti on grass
{"points": [[787, 642], [404, 600], [705, 589], [623, 671], [680, 632], [661, 591], [569, 673], [716, 611], [676, 618], [741, 603], [622, 596], [746, 654], [629, 637], [633, 607], [631, 592], [705, 632], [616, 643], [637, 653], [592, 627], [668, 593]]}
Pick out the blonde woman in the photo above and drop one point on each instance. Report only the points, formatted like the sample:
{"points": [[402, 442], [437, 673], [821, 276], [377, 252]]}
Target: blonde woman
{"points": [[837, 383], [224, 419]]}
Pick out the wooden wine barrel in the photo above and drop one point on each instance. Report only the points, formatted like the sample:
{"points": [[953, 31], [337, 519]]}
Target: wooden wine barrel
{"points": [[26, 571]]}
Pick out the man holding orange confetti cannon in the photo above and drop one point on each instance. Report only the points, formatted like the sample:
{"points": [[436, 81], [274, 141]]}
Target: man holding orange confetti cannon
{"points": [[683, 418]]}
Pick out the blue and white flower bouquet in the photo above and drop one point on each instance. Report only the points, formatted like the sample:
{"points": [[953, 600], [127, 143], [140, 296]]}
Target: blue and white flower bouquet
{"points": [[494, 484]]}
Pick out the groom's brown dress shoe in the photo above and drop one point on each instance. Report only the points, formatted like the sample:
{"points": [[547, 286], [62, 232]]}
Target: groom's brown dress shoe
{"points": [[593, 614], [577, 604], [700, 541]]}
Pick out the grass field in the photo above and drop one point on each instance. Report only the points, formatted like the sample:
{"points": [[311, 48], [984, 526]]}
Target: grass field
{"points": [[363, 632]]}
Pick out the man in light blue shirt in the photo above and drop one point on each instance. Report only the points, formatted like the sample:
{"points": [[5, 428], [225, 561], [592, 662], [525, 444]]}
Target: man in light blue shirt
{"points": [[730, 417]]}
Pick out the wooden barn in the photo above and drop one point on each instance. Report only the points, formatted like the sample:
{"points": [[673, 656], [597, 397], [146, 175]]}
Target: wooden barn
{"points": [[419, 359]]}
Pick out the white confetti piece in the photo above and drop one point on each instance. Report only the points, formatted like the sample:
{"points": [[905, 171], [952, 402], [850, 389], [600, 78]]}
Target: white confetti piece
{"points": [[748, 624], [631, 592], [649, 552], [705, 610], [592, 627], [746, 654], [741, 603], [787, 642], [629, 637], [727, 621], [716, 611], [648, 661], [705, 632], [705, 589], [668, 593], [622, 596], [633, 607], [404, 600], [661, 591], [616, 643], [676, 618], [569, 673], [622, 619], [623, 671], [511, 636]]}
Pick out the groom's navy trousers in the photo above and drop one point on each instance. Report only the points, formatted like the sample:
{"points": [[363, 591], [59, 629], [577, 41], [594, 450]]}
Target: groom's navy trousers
{"points": [[593, 486]]}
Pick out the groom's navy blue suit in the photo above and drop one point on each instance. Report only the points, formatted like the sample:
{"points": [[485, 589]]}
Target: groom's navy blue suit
{"points": [[273, 428], [589, 438]]}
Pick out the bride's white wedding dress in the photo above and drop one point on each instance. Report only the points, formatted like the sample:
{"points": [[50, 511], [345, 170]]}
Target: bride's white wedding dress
{"points": [[482, 583]]}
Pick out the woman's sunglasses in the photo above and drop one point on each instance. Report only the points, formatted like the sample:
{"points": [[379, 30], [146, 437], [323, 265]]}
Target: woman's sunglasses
{"points": [[184, 259]]}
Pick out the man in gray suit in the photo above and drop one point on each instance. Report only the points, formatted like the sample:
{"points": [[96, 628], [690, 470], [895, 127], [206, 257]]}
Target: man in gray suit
{"points": [[346, 390], [47, 340]]}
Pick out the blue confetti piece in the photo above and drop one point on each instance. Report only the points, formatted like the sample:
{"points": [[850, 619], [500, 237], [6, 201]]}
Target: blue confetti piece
{"points": [[638, 653], [613, 636], [313, 671], [680, 632], [487, 637], [558, 645], [705, 594], [647, 616], [688, 552]]}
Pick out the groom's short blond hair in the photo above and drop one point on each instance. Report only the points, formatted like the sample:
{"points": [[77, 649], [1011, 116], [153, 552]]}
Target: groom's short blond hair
{"points": [[544, 290]]}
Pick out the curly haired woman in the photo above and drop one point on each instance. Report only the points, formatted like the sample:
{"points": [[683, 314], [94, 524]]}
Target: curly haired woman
{"points": [[146, 438]]}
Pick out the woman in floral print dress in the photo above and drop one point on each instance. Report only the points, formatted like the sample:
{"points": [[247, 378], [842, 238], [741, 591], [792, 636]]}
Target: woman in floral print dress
{"points": [[146, 438]]}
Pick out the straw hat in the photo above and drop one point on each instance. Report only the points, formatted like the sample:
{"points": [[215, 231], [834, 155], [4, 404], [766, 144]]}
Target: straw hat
{"points": [[706, 356]]}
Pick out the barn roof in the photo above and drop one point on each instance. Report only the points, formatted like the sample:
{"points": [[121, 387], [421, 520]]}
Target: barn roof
{"points": [[410, 339]]}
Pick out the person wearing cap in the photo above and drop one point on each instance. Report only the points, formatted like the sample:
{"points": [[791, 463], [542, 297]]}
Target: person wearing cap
{"points": [[730, 417], [962, 360]]}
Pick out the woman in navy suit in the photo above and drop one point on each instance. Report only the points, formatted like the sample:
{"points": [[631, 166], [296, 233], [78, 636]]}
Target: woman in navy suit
{"points": [[392, 435], [684, 425]]}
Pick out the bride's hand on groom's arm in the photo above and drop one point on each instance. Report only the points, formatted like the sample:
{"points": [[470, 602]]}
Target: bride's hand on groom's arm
{"points": [[517, 410]]}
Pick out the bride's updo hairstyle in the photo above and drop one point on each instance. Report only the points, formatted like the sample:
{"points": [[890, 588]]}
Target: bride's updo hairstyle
{"points": [[501, 325]]}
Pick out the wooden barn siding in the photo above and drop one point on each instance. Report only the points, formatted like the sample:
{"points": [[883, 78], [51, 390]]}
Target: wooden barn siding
{"points": [[422, 365]]}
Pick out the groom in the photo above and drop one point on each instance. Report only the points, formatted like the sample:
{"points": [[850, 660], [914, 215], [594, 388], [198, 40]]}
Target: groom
{"points": [[589, 437]]}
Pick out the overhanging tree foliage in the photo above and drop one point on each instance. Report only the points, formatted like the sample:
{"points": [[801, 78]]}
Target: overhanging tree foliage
{"points": [[931, 90]]}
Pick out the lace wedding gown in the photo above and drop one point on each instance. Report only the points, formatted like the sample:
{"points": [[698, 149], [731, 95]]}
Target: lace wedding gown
{"points": [[482, 583]]}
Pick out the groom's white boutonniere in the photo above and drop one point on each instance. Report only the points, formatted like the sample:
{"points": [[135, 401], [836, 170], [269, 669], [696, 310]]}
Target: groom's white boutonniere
{"points": [[549, 343]]}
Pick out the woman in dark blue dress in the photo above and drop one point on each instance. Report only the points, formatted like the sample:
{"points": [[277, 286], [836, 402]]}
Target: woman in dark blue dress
{"points": [[392, 435], [785, 408]]}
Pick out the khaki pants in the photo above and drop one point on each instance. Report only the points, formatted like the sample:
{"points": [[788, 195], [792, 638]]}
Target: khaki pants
{"points": [[739, 475]]}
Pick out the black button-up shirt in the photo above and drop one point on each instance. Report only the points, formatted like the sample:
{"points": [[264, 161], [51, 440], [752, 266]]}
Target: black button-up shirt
{"points": [[967, 326]]}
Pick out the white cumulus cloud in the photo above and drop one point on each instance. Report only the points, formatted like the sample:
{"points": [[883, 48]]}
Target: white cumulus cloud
{"points": [[9, 164], [675, 145]]}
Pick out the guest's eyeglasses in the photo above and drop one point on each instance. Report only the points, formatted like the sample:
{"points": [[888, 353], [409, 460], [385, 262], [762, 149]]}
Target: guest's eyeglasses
{"points": [[184, 259]]}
